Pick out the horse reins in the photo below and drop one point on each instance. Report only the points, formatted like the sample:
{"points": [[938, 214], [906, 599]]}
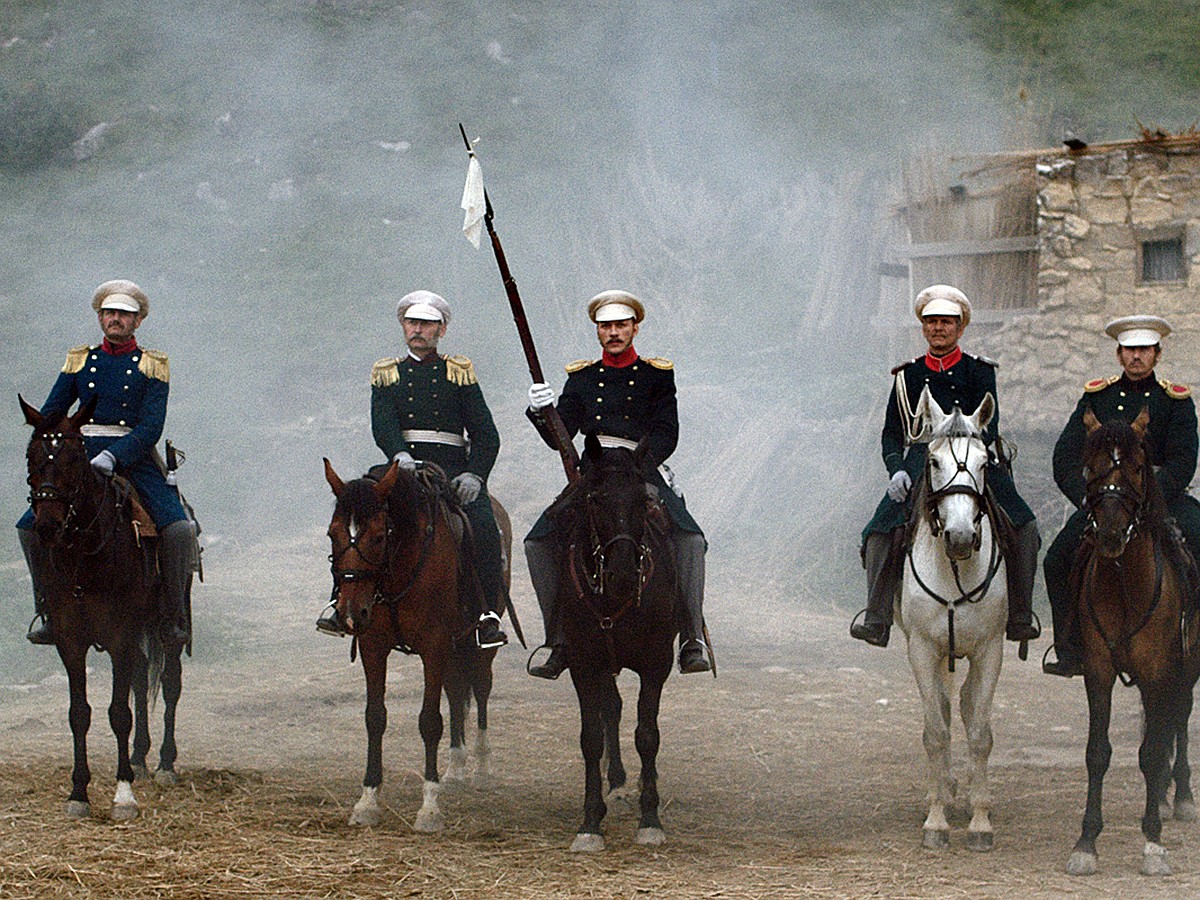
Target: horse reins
{"points": [[1136, 507], [390, 599], [978, 592], [592, 584]]}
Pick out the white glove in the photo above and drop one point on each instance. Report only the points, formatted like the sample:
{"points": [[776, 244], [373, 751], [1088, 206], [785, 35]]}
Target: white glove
{"points": [[898, 486], [406, 461], [541, 395], [467, 486], [103, 462]]}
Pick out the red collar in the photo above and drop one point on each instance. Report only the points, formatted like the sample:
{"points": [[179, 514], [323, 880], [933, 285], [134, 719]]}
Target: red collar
{"points": [[942, 363], [626, 357], [119, 349]]}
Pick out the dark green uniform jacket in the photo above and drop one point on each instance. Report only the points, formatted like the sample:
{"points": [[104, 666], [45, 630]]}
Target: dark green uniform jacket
{"points": [[439, 395], [964, 385], [630, 402]]}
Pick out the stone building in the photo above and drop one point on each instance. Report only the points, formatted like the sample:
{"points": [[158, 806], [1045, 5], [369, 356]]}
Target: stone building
{"points": [[1050, 245]]}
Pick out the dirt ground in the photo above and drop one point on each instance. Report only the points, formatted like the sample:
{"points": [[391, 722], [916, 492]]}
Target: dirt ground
{"points": [[797, 773]]}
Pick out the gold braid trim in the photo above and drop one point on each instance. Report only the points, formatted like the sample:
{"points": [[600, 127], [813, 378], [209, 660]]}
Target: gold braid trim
{"points": [[154, 364], [1174, 390], [76, 357], [576, 366], [386, 371], [659, 363], [460, 371]]}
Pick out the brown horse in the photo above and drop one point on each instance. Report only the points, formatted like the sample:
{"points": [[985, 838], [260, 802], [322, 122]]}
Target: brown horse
{"points": [[619, 597], [1138, 619], [398, 579], [101, 593]]}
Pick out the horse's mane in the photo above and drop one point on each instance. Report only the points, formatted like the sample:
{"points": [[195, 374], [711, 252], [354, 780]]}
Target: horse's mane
{"points": [[1120, 435], [955, 425], [618, 460], [358, 502]]}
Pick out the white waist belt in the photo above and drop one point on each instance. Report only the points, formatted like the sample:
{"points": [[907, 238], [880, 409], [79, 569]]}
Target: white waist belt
{"points": [[609, 441], [424, 436], [93, 430]]}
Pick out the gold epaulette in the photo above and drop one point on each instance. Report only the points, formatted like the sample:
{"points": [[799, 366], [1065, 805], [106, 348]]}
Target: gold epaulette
{"points": [[459, 370], [659, 363], [1099, 384], [76, 357], [154, 364], [386, 371], [574, 367], [1175, 391]]}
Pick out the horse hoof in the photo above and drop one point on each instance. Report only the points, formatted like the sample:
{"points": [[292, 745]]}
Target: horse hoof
{"points": [[1185, 811], [78, 809], [366, 817], [620, 794], [935, 840], [1154, 860], [587, 843], [166, 778], [1081, 863], [124, 812], [140, 772], [651, 837], [428, 823], [980, 841]]}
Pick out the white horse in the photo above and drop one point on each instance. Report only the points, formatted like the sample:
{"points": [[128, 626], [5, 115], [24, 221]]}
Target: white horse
{"points": [[954, 605]]}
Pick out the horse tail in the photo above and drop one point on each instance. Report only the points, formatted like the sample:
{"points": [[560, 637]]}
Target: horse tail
{"points": [[156, 660]]}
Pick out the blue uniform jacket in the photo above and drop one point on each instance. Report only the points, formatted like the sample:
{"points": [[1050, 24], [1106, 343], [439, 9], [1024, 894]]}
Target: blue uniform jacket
{"points": [[132, 391]]}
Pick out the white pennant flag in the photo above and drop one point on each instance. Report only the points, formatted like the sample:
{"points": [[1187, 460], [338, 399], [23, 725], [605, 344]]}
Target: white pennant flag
{"points": [[474, 203]]}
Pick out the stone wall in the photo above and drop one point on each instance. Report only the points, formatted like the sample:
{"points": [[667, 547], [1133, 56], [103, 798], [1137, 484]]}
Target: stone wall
{"points": [[1093, 209]]}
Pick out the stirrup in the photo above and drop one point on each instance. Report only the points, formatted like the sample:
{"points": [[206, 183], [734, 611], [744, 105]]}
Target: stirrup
{"points": [[875, 634], [497, 638], [330, 624], [546, 670], [41, 636]]}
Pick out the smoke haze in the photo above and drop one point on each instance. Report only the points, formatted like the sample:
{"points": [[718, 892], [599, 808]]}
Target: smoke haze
{"points": [[276, 174]]}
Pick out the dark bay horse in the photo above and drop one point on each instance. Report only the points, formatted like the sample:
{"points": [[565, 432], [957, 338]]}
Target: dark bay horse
{"points": [[101, 593], [398, 581], [619, 596], [1138, 618]]}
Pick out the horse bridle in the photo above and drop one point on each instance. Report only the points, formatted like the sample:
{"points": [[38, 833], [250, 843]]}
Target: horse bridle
{"points": [[935, 496], [977, 593], [372, 574], [594, 578], [1133, 502], [49, 492]]}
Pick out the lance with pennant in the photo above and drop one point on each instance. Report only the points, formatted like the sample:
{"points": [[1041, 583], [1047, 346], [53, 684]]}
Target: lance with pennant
{"points": [[478, 209]]}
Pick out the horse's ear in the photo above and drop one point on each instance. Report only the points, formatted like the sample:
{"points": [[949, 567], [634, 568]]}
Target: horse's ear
{"points": [[927, 413], [387, 482], [985, 411], [32, 416], [1090, 422], [83, 415], [1139, 424], [332, 477], [591, 447]]}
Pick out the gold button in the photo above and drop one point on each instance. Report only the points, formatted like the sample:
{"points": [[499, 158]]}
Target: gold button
{"points": [[92, 369], [1120, 407], [91, 384]]}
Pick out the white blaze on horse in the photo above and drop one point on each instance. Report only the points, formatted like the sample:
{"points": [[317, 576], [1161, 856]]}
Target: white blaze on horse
{"points": [[953, 605]]}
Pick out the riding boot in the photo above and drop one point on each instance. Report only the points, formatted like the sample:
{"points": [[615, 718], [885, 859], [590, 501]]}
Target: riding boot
{"points": [[485, 538], [329, 623], [543, 572], [1067, 641], [1020, 566], [176, 555], [883, 580], [689, 557], [37, 558]]}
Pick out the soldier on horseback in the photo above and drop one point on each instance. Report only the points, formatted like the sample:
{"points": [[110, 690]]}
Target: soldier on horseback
{"points": [[623, 397], [429, 407], [957, 379], [1171, 440], [131, 386]]}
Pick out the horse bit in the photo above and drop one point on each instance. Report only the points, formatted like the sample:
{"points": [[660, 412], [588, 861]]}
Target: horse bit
{"points": [[595, 578]]}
